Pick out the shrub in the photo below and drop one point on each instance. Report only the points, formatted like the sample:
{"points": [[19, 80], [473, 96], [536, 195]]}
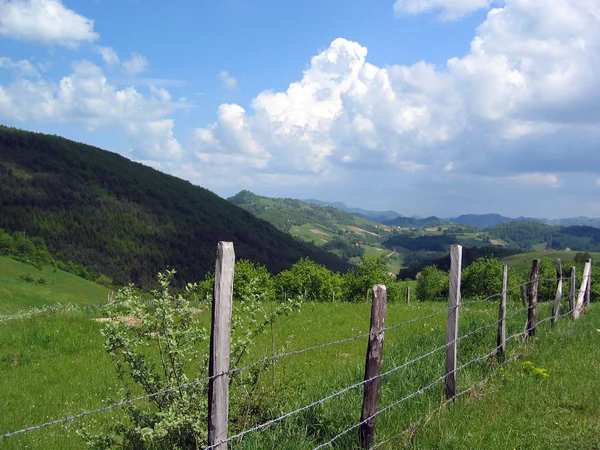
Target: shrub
{"points": [[482, 279], [432, 285], [159, 347]]}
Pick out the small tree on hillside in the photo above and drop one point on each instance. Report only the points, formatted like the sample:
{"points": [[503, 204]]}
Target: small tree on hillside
{"points": [[432, 285], [363, 277], [482, 279], [309, 280]]}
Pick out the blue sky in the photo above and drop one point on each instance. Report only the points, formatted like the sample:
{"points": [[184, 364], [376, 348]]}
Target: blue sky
{"points": [[422, 106]]}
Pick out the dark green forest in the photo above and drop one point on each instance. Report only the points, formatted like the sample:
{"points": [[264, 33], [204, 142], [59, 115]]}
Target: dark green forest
{"points": [[525, 235], [125, 220]]}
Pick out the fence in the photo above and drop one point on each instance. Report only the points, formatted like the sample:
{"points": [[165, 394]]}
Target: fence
{"points": [[220, 371]]}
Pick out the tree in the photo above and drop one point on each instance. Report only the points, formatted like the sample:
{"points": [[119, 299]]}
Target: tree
{"points": [[581, 258], [363, 277], [309, 280], [432, 285], [483, 278]]}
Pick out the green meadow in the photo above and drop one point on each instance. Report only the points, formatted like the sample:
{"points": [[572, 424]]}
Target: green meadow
{"points": [[52, 365]]}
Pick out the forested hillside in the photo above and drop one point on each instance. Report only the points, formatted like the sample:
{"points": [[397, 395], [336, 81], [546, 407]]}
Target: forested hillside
{"points": [[126, 220], [529, 235]]}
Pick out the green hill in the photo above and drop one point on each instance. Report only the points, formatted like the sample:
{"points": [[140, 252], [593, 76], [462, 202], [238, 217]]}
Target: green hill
{"points": [[343, 234], [530, 235], [522, 261], [126, 220], [23, 287]]}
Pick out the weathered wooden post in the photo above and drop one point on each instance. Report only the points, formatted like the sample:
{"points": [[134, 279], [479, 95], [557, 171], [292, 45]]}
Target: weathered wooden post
{"points": [[452, 324], [501, 339], [588, 291], [373, 366], [408, 294], [559, 291], [573, 291], [582, 290], [220, 339], [533, 298]]}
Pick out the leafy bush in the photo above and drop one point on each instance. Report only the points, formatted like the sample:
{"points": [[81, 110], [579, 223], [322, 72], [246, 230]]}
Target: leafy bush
{"points": [[432, 284], [482, 279], [27, 277], [309, 280], [156, 345], [363, 277]]}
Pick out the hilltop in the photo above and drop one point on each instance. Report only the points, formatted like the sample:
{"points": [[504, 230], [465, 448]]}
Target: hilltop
{"points": [[126, 220], [346, 235]]}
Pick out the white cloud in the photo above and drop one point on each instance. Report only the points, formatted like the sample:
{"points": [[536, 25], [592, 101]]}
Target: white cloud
{"points": [[22, 67], [229, 142], [108, 54], [537, 178], [227, 80], [135, 65], [522, 106], [85, 96], [449, 9], [528, 87], [44, 22]]}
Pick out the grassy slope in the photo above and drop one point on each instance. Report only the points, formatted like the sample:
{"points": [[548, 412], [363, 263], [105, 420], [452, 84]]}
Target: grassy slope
{"points": [[54, 365], [522, 261], [17, 294], [524, 411]]}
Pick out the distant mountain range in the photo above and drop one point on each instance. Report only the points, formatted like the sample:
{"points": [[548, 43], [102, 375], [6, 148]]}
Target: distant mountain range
{"points": [[375, 216], [475, 220]]}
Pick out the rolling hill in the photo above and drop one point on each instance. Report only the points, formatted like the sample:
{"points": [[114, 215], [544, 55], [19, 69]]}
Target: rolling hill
{"points": [[343, 234], [374, 216], [127, 220]]}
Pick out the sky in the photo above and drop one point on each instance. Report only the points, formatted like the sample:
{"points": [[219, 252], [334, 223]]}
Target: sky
{"points": [[425, 107]]}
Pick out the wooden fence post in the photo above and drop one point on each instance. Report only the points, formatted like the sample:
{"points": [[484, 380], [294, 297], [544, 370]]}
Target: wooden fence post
{"points": [[220, 340], [582, 290], [452, 324], [408, 294], [559, 291], [588, 291], [533, 298], [573, 292], [373, 366], [501, 340]]}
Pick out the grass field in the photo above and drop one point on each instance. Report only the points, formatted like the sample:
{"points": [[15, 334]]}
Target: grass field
{"points": [[53, 365], [16, 294], [522, 261]]}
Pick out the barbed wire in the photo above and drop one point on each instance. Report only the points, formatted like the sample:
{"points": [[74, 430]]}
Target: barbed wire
{"points": [[415, 393], [278, 356], [428, 387], [361, 383], [425, 420]]}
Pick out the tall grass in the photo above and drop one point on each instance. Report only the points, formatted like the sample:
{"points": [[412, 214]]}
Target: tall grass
{"points": [[53, 365]]}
